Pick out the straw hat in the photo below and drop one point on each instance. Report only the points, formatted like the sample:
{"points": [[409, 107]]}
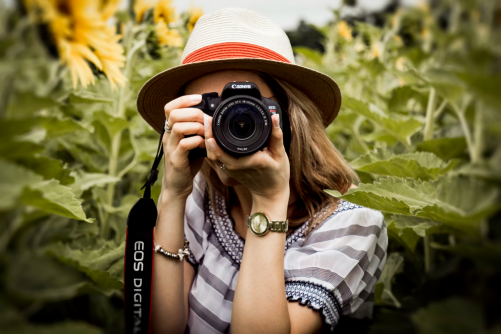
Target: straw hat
{"points": [[236, 39]]}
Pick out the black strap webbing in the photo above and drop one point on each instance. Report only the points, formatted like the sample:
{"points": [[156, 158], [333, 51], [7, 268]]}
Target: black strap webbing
{"points": [[138, 271]]}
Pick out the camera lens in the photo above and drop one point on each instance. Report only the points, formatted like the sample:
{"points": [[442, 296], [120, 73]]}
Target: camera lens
{"points": [[241, 124]]}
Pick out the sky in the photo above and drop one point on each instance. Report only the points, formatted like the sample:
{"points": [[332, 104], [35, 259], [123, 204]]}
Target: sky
{"points": [[286, 13]]}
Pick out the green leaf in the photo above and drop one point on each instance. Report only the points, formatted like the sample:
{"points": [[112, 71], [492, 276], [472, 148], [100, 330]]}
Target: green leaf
{"points": [[460, 202], [10, 128], [47, 167], [485, 253], [446, 83], [104, 265], [401, 128], [113, 124], [422, 165], [370, 31], [420, 226], [401, 96], [405, 235], [408, 239], [485, 87], [52, 197], [380, 135], [445, 148], [88, 155], [489, 169], [144, 148], [454, 316], [85, 96], [22, 149], [86, 181], [27, 103], [57, 127], [13, 179], [309, 54], [383, 293], [373, 66], [35, 277]]}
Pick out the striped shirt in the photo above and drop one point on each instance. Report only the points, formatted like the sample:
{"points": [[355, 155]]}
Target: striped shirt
{"points": [[333, 270]]}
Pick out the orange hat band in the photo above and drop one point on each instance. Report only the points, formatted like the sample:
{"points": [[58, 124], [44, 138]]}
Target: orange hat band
{"points": [[233, 50]]}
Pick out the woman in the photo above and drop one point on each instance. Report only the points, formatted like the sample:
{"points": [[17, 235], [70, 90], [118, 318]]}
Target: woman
{"points": [[302, 281]]}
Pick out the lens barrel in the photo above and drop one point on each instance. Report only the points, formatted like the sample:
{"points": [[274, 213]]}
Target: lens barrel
{"points": [[241, 125]]}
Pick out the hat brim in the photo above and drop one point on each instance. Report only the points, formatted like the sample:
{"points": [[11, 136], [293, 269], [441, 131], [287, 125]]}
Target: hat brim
{"points": [[167, 85]]}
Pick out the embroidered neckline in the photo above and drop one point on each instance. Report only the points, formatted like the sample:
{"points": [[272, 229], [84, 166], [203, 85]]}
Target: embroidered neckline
{"points": [[234, 244]]}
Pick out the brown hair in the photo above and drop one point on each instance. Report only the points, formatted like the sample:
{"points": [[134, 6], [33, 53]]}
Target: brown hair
{"points": [[315, 163]]}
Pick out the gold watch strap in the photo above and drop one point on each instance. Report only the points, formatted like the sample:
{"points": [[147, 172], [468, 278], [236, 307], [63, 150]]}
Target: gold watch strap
{"points": [[279, 226]]}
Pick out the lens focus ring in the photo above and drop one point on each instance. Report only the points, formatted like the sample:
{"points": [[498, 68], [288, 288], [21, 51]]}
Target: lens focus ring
{"points": [[243, 125]]}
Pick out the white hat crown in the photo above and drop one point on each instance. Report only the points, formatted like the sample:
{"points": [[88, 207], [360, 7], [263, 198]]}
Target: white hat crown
{"points": [[238, 25]]}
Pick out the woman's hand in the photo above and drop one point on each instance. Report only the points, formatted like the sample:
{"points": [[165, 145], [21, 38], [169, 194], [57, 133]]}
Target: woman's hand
{"points": [[265, 173], [179, 171]]}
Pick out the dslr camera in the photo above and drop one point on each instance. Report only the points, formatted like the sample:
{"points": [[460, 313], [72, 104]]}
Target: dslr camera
{"points": [[241, 119]]}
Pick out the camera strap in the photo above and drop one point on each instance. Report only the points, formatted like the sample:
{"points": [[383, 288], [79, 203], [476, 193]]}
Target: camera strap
{"points": [[138, 270]]}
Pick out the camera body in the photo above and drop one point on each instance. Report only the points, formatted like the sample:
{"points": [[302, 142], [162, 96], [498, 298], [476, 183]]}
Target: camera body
{"points": [[241, 123]]}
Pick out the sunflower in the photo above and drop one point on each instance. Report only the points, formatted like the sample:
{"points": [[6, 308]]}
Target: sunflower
{"points": [[163, 15], [195, 13], [81, 34], [344, 31], [141, 7]]}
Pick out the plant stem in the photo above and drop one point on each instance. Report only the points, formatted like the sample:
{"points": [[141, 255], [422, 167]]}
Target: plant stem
{"points": [[452, 240], [427, 253], [356, 134], [479, 133], [428, 135], [466, 129], [116, 140], [128, 167], [430, 110], [440, 109]]}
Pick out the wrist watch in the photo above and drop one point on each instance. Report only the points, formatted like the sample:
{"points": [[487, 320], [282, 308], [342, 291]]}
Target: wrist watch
{"points": [[260, 224]]}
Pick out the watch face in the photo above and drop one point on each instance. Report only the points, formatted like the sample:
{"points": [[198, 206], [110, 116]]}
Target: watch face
{"points": [[259, 223]]}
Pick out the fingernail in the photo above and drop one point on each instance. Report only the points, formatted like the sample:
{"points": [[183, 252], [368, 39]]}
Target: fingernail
{"points": [[196, 98], [277, 121], [206, 121], [211, 144]]}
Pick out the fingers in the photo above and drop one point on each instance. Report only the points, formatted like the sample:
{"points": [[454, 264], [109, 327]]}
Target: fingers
{"points": [[180, 154], [185, 115], [182, 102], [276, 144], [182, 129]]}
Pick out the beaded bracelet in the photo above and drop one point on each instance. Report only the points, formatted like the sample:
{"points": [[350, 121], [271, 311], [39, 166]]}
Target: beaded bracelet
{"points": [[181, 253]]}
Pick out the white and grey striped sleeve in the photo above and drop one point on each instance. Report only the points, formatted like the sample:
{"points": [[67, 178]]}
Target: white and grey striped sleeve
{"points": [[336, 267], [194, 218]]}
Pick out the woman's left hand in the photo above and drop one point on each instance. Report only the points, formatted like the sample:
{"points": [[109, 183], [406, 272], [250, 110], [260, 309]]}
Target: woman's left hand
{"points": [[265, 173]]}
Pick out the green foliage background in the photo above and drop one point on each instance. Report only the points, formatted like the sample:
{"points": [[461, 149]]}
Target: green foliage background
{"points": [[420, 123]]}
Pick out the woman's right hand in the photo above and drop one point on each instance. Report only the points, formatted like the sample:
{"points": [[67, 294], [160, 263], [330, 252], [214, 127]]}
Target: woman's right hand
{"points": [[179, 171]]}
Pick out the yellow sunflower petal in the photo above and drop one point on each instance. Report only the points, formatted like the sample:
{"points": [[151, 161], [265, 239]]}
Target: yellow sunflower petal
{"points": [[79, 69], [109, 8], [140, 7], [80, 30], [195, 14], [167, 36], [86, 53], [164, 11], [344, 30]]}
